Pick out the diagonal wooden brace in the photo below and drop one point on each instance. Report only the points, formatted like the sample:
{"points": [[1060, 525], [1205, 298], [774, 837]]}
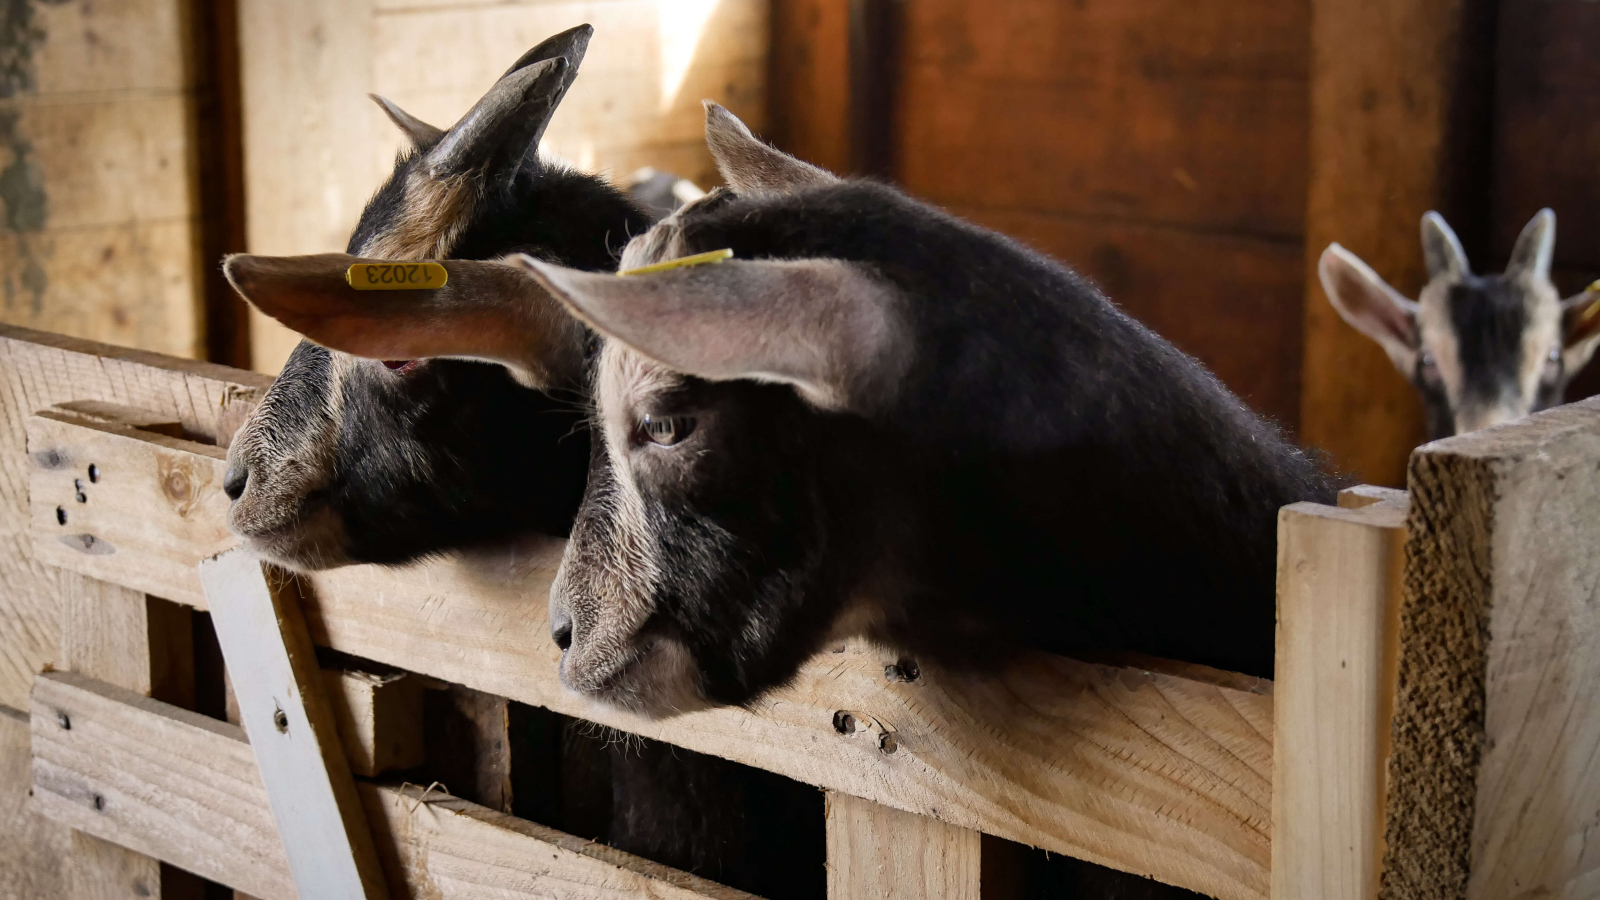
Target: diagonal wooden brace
{"points": [[273, 665]]}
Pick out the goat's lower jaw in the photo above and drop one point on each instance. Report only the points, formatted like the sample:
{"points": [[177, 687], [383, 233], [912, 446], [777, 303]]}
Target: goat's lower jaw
{"points": [[657, 682]]}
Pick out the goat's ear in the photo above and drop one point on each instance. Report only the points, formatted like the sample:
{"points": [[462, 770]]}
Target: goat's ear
{"points": [[750, 166], [419, 133], [1368, 303], [831, 329], [486, 310], [505, 126], [1536, 245], [1580, 325], [1441, 249]]}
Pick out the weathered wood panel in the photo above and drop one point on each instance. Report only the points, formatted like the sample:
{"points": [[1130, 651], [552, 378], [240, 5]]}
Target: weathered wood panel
{"points": [[40, 370], [185, 788], [316, 147], [1399, 103], [878, 853], [33, 851], [99, 234], [1157, 145], [1494, 785]]}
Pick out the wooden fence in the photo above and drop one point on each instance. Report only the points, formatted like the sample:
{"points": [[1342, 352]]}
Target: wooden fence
{"points": [[1428, 734]]}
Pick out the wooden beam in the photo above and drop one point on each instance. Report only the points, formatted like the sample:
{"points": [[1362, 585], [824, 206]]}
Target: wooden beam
{"points": [[1167, 775], [1399, 125], [808, 82], [185, 787], [33, 849], [286, 712], [40, 370], [877, 852], [1338, 632], [379, 717], [1494, 784]]}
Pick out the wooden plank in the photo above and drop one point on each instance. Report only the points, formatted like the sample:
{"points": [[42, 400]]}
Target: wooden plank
{"points": [[38, 370], [133, 46], [1338, 635], [1367, 495], [33, 849], [96, 510], [185, 787], [1163, 774], [1494, 784], [1399, 126], [1232, 301], [292, 727], [877, 852], [469, 745], [379, 718], [1156, 110], [809, 91]]}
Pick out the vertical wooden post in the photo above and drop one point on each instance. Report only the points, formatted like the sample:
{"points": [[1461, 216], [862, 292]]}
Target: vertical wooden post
{"points": [[1400, 107], [1494, 782], [809, 82], [1338, 612], [879, 853], [124, 638]]}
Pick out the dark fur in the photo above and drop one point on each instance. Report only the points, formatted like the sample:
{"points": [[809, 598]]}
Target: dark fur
{"points": [[501, 460], [1050, 473]]}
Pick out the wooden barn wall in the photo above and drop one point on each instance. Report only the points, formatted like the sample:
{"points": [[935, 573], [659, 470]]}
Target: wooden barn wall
{"points": [[315, 147], [1547, 139], [1159, 146], [99, 234]]}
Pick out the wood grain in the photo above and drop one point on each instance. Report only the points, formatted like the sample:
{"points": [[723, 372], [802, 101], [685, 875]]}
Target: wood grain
{"points": [[379, 719], [1399, 126], [293, 730], [185, 787], [100, 229], [1495, 777], [38, 370], [1338, 635], [877, 852], [33, 853], [809, 82]]}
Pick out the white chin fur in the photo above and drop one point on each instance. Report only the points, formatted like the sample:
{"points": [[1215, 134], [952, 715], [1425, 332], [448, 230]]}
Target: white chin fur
{"points": [[662, 683]]}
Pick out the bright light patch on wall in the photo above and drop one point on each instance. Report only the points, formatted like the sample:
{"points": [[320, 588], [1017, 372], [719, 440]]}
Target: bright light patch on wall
{"points": [[682, 23]]}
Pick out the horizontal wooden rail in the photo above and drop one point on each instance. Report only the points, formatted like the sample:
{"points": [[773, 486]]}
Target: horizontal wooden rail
{"points": [[1167, 774], [185, 789]]}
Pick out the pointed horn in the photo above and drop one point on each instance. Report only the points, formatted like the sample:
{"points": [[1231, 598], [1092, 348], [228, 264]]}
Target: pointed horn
{"points": [[517, 105], [420, 133]]}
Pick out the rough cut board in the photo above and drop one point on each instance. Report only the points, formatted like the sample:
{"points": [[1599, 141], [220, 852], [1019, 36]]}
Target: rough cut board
{"points": [[1495, 777], [37, 371], [99, 235], [878, 853], [1153, 773], [636, 101], [284, 707], [185, 788]]}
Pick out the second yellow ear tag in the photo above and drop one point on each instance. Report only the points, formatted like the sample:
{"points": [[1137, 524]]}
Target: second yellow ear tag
{"points": [[682, 262], [397, 276]]}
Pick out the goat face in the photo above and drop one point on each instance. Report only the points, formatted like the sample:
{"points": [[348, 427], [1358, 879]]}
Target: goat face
{"points": [[354, 460], [1480, 349]]}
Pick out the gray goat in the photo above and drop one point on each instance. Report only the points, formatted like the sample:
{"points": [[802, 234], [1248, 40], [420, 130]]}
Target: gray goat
{"points": [[1480, 349]]}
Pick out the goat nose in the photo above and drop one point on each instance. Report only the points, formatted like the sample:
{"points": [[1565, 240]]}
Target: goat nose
{"points": [[561, 629], [233, 483]]}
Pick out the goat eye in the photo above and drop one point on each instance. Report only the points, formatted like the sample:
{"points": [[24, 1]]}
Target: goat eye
{"points": [[1427, 360], [667, 430]]}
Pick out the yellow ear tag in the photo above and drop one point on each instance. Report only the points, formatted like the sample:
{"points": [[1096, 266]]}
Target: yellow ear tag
{"points": [[682, 262], [1594, 305], [397, 276]]}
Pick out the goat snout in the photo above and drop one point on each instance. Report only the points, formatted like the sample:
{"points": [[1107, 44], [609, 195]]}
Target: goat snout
{"points": [[236, 479], [560, 627]]}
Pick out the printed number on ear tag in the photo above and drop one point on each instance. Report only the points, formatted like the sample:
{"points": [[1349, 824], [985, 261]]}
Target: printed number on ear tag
{"points": [[682, 262], [404, 276]]}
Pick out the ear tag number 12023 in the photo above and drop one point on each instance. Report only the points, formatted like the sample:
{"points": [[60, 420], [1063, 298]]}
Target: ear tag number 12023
{"points": [[400, 276]]}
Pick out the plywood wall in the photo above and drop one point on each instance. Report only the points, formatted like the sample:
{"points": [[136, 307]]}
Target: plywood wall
{"points": [[99, 230], [316, 147], [1159, 146]]}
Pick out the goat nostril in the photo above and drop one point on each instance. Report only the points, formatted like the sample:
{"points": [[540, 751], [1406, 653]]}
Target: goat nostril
{"points": [[234, 482], [562, 634]]}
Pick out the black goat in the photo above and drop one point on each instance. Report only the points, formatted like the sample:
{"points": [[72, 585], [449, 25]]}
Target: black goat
{"points": [[352, 460]]}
